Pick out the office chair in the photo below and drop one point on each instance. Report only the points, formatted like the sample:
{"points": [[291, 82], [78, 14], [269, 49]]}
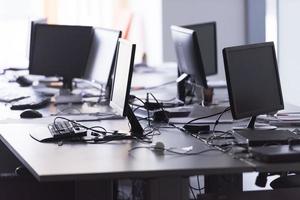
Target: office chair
{"points": [[285, 180]]}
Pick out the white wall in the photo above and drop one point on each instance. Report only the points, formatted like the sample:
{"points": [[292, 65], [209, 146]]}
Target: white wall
{"points": [[15, 18], [289, 49], [149, 13], [153, 35], [17, 9], [230, 16]]}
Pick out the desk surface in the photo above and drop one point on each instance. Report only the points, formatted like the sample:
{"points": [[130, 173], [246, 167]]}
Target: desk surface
{"points": [[50, 162]]}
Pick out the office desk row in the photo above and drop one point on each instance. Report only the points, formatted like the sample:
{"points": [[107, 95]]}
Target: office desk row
{"points": [[94, 167], [104, 163], [114, 160]]}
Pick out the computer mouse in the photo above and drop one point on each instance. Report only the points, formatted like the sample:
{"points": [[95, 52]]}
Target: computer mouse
{"points": [[23, 81], [29, 113]]}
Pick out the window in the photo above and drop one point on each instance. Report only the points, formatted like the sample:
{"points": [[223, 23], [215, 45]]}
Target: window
{"points": [[15, 18]]}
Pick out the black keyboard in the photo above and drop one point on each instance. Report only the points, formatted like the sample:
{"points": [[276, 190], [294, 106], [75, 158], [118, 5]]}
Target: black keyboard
{"points": [[66, 129], [31, 104]]}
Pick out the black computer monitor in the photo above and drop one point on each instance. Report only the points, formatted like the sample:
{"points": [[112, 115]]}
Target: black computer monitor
{"points": [[102, 56], [207, 38], [188, 54], [189, 59], [252, 80], [60, 50], [122, 83], [31, 34]]}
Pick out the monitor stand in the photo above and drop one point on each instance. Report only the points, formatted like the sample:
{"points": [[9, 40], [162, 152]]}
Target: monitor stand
{"points": [[66, 95], [252, 126], [135, 127], [203, 95]]}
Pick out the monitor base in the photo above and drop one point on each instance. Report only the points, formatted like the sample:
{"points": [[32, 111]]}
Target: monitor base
{"points": [[70, 98], [253, 126], [256, 127]]}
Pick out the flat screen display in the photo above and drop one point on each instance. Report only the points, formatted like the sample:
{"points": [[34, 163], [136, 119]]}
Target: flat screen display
{"points": [[102, 55], [60, 50], [188, 54], [207, 39], [122, 76], [253, 80]]}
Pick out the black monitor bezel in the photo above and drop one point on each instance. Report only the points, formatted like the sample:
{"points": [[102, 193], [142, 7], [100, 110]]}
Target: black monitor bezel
{"points": [[235, 114], [32, 32], [37, 25], [214, 25], [201, 71]]}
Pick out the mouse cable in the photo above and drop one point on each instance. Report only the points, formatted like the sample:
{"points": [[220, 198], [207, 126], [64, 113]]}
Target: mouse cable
{"points": [[221, 114], [98, 140], [81, 125], [135, 97], [114, 137], [207, 140], [64, 111], [201, 133], [207, 116], [161, 100], [223, 135], [115, 134], [141, 106], [173, 151], [161, 107], [155, 105], [12, 69], [192, 188], [148, 112], [153, 130], [192, 191], [197, 189]]}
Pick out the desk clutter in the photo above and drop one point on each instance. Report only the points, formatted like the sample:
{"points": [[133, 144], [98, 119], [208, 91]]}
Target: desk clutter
{"points": [[90, 72], [193, 112]]}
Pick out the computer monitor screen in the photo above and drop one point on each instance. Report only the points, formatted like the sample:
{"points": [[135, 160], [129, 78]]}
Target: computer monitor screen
{"points": [[122, 76], [102, 55], [252, 79], [188, 54], [207, 38], [60, 50], [31, 34]]}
